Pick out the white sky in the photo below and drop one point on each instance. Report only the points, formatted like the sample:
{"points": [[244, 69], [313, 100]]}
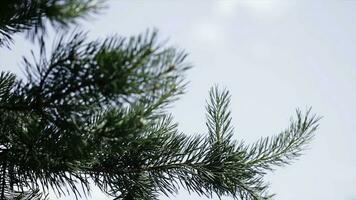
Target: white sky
{"points": [[274, 56]]}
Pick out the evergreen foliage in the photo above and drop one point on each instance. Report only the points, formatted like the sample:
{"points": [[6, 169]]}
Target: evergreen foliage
{"points": [[96, 110], [33, 15]]}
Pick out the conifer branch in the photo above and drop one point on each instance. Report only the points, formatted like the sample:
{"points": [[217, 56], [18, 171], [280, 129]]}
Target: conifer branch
{"points": [[97, 110], [34, 16]]}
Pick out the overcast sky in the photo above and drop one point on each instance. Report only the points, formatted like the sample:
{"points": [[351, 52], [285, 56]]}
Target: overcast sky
{"points": [[274, 56]]}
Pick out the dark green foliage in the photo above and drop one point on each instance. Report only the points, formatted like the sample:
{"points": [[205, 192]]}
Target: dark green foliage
{"points": [[80, 106], [96, 110], [34, 15]]}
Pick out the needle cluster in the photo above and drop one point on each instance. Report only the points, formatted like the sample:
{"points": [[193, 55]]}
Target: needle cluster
{"points": [[96, 112]]}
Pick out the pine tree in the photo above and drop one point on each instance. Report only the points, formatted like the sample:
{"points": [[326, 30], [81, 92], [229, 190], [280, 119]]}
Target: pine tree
{"points": [[96, 111]]}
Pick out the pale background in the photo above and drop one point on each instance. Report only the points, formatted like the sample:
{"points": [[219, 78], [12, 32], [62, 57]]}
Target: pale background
{"points": [[274, 56]]}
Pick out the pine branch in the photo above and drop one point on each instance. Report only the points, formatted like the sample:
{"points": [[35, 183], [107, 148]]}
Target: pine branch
{"points": [[61, 128], [34, 16], [218, 116], [221, 166], [7, 81], [97, 110], [112, 71], [280, 149]]}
